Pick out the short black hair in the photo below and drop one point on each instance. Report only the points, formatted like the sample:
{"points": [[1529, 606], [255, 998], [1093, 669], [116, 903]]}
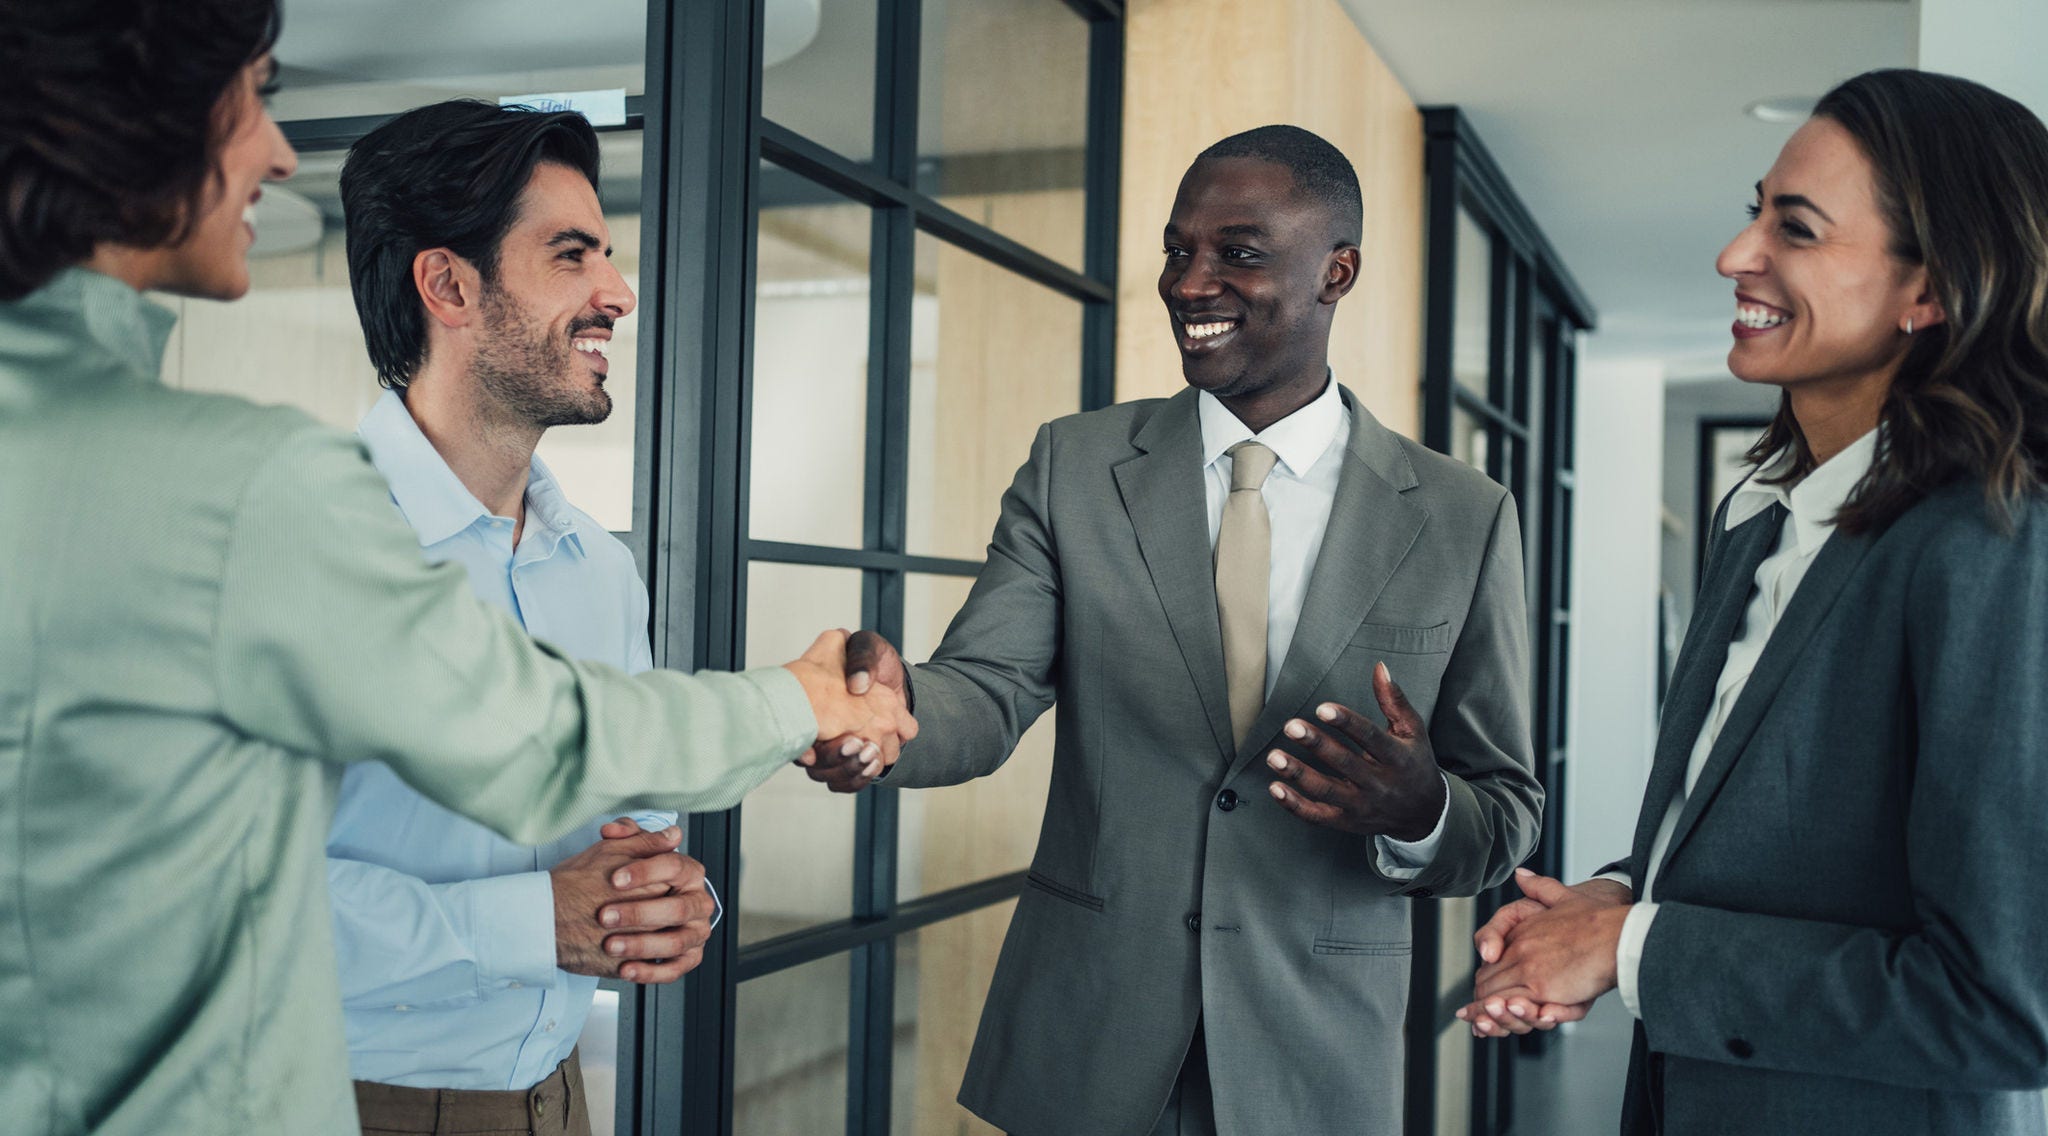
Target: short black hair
{"points": [[112, 117], [442, 176], [1321, 171]]}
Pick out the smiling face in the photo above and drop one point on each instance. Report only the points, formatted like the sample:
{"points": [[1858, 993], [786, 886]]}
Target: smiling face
{"points": [[1821, 298], [212, 261], [548, 316], [1253, 272]]}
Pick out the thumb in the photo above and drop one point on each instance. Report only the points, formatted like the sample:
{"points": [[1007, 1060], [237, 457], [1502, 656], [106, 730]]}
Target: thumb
{"points": [[618, 829], [1402, 720], [869, 653], [1542, 889], [643, 844]]}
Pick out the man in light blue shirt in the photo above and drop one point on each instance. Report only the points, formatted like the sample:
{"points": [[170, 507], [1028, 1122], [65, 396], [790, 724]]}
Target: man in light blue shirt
{"points": [[477, 254]]}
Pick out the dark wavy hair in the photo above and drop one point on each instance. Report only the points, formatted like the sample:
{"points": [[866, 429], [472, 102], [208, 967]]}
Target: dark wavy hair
{"points": [[112, 116], [447, 176], [1962, 178]]}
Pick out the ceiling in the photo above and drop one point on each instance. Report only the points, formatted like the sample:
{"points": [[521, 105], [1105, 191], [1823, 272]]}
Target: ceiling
{"points": [[1621, 125]]}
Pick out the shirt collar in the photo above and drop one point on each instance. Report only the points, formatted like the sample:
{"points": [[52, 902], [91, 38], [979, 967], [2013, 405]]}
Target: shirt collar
{"points": [[115, 317], [435, 501], [1300, 439], [1813, 502]]}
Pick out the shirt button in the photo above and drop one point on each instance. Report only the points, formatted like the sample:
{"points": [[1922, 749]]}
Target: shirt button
{"points": [[1226, 800], [515, 984], [540, 1106], [1195, 922], [401, 1007], [550, 1027]]}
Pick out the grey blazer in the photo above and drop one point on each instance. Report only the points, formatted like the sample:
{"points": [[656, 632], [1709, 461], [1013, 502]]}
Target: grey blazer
{"points": [[1849, 935], [1168, 886]]}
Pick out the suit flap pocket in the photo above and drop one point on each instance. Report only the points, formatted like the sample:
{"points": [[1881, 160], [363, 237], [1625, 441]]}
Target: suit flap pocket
{"points": [[1054, 888], [1403, 640], [1339, 947]]}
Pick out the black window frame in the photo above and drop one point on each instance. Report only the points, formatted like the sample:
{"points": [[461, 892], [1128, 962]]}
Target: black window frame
{"points": [[1537, 312]]}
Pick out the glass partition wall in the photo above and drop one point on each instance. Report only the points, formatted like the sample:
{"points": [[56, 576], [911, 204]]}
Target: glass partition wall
{"points": [[874, 247]]}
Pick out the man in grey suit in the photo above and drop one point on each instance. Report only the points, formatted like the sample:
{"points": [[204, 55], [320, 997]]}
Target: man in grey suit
{"points": [[1198, 580]]}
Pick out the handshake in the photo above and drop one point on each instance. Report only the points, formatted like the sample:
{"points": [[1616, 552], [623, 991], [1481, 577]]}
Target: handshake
{"points": [[860, 693]]}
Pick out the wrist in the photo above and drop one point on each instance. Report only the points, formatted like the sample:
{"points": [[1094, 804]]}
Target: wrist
{"points": [[1427, 814]]}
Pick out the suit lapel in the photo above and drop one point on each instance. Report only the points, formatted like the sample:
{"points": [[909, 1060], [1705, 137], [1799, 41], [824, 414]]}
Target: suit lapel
{"points": [[1732, 574], [1818, 591], [1372, 527], [1163, 494]]}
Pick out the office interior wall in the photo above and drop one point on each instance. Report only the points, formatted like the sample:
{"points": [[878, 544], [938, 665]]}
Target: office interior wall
{"points": [[1685, 404], [1197, 71], [1616, 569]]}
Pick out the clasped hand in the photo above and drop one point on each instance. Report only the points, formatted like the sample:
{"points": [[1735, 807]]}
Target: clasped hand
{"points": [[1546, 957], [856, 685], [631, 907]]}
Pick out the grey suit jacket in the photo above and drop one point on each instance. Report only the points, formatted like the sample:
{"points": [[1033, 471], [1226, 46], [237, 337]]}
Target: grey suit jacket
{"points": [[1850, 921], [1168, 886]]}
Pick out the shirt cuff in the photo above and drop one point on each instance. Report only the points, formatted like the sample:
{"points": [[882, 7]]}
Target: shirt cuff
{"points": [[1404, 860], [1620, 878], [511, 926], [1628, 954]]}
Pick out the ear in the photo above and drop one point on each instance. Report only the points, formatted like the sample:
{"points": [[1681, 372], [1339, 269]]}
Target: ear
{"points": [[449, 287], [1340, 272], [1926, 310]]}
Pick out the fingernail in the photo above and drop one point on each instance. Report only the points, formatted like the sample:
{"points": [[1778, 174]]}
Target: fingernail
{"points": [[1523, 873], [1549, 1019], [1327, 712], [1277, 760], [1297, 729], [871, 754], [621, 878], [1493, 1008], [858, 684], [1279, 794], [808, 758], [1460, 1015], [1380, 669], [850, 746], [609, 918], [615, 947], [873, 767]]}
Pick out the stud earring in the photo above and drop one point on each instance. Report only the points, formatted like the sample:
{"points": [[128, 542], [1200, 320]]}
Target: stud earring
{"points": [[1909, 325]]}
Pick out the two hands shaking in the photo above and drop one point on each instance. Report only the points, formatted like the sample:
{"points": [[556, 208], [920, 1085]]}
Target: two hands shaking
{"points": [[632, 907]]}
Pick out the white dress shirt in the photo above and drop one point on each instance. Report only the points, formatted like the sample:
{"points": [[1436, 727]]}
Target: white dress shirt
{"points": [[1811, 507], [1298, 494]]}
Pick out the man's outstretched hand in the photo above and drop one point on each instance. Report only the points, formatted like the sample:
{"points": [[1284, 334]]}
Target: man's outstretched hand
{"points": [[848, 764], [1367, 780], [860, 712]]}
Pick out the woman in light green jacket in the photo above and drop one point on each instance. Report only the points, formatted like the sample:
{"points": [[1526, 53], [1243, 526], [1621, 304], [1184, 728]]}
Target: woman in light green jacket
{"points": [[206, 607]]}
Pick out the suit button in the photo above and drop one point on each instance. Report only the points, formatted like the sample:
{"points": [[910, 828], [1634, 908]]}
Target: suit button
{"points": [[1226, 800], [1418, 893], [1195, 922], [1741, 1048]]}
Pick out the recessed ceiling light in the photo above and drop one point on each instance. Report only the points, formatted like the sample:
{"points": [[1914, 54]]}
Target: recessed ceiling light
{"points": [[1784, 108]]}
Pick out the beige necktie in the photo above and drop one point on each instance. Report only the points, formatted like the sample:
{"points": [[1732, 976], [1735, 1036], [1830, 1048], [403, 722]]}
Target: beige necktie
{"points": [[1244, 558]]}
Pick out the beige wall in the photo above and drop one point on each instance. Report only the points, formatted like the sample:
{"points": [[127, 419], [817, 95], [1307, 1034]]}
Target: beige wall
{"points": [[1198, 70]]}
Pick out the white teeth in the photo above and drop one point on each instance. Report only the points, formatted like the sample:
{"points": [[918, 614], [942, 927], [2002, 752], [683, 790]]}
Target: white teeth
{"points": [[1205, 330], [1758, 317], [249, 214], [590, 346]]}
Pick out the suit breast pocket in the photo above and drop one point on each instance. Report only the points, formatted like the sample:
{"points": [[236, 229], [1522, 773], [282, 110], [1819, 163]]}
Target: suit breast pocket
{"points": [[1399, 640]]}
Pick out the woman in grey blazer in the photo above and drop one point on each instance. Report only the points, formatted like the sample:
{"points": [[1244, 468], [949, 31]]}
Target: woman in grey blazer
{"points": [[1832, 915]]}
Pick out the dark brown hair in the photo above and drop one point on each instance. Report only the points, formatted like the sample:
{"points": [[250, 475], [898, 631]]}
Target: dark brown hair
{"points": [[1962, 178], [449, 175], [112, 115]]}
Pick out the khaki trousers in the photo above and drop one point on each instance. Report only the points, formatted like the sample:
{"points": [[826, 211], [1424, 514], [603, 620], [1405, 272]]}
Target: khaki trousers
{"points": [[555, 1107]]}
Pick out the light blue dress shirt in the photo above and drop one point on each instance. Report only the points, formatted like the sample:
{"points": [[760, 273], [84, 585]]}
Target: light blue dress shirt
{"points": [[445, 931]]}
